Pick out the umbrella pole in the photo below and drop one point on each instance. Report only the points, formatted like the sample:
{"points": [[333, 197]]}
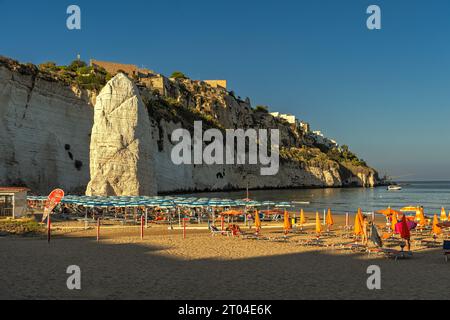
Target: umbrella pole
{"points": [[85, 220], [146, 218]]}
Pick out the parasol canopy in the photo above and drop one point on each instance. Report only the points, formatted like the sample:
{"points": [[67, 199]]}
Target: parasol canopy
{"points": [[388, 211]]}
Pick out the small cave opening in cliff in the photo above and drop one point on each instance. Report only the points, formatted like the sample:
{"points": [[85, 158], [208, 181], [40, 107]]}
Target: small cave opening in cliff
{"points": [[78, 164]]}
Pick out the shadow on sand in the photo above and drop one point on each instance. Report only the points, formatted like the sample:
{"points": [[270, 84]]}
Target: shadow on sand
{"points": [[32, 269]]}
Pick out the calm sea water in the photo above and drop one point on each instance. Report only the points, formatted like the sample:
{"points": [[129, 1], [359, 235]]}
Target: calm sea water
{"points": [[432, 195]]}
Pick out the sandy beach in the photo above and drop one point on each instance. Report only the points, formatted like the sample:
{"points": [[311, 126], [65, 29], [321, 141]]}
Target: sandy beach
{"points": [[166, 266]]}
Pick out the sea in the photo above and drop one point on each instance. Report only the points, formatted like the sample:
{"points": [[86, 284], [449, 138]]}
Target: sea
{"points": [[432, 195]]}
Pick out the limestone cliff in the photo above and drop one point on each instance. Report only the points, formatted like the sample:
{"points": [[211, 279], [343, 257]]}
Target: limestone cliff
{"points": [[46, 125], [44, 131], [121, 161]]}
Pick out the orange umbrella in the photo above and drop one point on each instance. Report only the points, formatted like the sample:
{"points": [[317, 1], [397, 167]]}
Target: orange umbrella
{"points": [[421, 217], [329, 219], [436, 230], [358, 229], [257, 221], [287, 223], [388, 212], [443, 215], [318, 224], [394, 222], [302, 219], [232, 213]]}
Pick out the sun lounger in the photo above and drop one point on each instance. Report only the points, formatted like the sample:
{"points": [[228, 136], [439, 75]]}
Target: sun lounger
{"points": [[428, 243], [255, 236], [353, 247], [390, 253], [215, 231], [278, 239], [314, 242]]}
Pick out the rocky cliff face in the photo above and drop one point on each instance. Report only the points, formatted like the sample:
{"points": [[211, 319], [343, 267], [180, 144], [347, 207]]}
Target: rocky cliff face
{"points": [[46, 127], [121, 160]]}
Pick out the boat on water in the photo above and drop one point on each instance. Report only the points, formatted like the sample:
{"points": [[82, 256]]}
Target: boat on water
{"points": [[394, 187]]}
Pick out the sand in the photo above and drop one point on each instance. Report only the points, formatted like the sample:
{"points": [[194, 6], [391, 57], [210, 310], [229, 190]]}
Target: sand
{"points": [[166, 266]]}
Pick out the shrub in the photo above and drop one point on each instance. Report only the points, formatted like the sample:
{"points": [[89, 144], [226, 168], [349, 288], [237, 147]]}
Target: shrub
{"points": [[76, 64], [264, 109], [178, 75]]}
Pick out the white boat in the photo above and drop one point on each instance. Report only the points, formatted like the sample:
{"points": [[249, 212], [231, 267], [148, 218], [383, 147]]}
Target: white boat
{"points": [[394, 188]]}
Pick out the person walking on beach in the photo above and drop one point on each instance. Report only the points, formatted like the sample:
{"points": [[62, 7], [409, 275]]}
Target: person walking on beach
{"points": [[403, 229]]}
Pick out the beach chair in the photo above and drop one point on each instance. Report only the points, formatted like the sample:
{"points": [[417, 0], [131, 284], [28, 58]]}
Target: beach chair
{"points": [[215, 231], [387, 252], [312, 242], [390, 253], [446, 248]]}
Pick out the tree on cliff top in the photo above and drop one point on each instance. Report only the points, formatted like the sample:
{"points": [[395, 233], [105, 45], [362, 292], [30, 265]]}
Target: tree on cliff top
{"points": [[178, 75], [264, 109]]}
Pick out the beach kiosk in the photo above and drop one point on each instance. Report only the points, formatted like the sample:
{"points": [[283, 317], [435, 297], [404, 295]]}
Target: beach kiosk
{"points": [[13, 201]]}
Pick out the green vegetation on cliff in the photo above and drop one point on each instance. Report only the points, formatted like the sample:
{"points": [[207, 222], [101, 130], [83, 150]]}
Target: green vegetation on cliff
{"points": [[78, 72]]}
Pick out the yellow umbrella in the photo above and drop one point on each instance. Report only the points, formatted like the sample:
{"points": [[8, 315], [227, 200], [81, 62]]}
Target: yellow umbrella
{"points": [[318, 224], [394, 222], [421, 217], [409, 209], [302, 218], [436, 229], [358, 229], [329, 219], [443, 215], [257, 221], [287, 223]]}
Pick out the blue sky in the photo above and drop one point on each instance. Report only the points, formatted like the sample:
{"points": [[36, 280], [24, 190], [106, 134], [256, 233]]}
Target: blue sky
{"points": [[385, 93]]}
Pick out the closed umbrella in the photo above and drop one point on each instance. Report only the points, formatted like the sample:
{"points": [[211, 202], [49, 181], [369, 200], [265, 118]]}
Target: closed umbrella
{"points": [[257, 221], [358, 229], [394, 222], [421, 217], [329, 219], [443, 215], [287, 223], [318, 224], [436, 230], [302, 219]]}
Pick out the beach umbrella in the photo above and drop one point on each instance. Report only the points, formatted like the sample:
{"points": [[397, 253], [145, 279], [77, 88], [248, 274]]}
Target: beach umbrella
{"points": [[302, 218], [388, 211], [436, 230], [257, 221], [394, 222], [329, 219], [421, 217], [358, 229], [375, 236], [409, 209], [287, 223], [443, 215], [318, 224]]}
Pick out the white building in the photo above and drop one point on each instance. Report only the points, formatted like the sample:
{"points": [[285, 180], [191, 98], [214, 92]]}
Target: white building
{"points": [[13, 202]]}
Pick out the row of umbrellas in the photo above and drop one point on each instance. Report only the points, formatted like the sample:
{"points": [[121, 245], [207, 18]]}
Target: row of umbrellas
{"points": [[159, 201]]}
